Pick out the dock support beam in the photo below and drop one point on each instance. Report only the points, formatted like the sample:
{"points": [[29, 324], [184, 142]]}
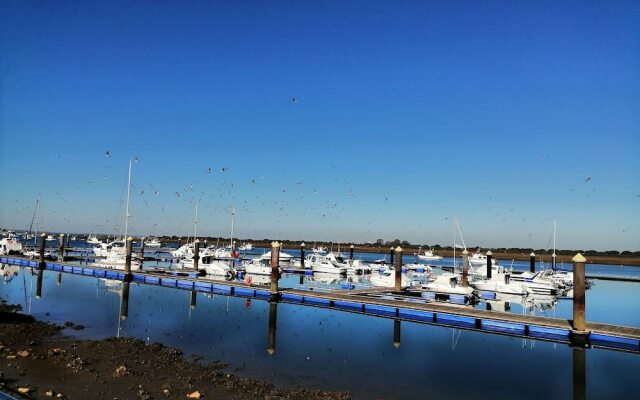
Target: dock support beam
{"points": [[275, 266], [302, 255], [391, 256], [465, 267], [398, 268], [489, 264], [532, 262], [196, 254], [42, 265], [579, 326], [127, 261], [61, 248], [142, 249], [351, 252]]}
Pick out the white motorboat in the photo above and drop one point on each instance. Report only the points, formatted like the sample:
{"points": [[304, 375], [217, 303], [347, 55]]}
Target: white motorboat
{"points": [[319, 250], [500, 282], [477, 259], [284, 257], [428, 255], [103, 249], [246, 247], [388, 279], [320, 263], [210, 265], [258, 266], [447, 283], [562, 279], [535, 282], [116, 259], [93, 239], [185, 251], [10, 245], [352, 266], [50, 238], [153, 243], [418, 267]]}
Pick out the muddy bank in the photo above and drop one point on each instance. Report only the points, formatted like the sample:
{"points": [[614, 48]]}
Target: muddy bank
{"points": [[38, 361]]}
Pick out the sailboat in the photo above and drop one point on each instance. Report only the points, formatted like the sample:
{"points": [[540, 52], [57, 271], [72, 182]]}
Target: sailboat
{"points": [[115, 255]]}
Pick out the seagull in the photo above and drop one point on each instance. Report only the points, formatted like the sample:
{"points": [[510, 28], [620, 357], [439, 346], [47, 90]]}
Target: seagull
{"points": [[135, 159], [588, 179], [108, 154], [224, 169], [294, 100]]}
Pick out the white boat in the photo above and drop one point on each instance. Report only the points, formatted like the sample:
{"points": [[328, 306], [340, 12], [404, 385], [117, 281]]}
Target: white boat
{"points": [[535, 282], [319, 250], [284, 257], [74, 237], [447, 283], [246, 247], [500, 282], [562, 279], [417, 267], [388, 279], [103, 249], [93, 239], [153, 243], [50, 238], [320, 263], [185, 251], [257, 266], [428, 255], [357, 267], [210, 265], [10, 245], [477, 259]]}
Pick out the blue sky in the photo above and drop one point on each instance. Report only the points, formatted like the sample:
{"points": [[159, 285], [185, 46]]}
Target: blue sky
{"points": [[406, 115]]}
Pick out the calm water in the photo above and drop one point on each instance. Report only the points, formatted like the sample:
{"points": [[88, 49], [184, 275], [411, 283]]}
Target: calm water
{"points": [[328, 349]]}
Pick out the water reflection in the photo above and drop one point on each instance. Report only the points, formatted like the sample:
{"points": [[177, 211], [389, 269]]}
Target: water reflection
{"points": [[273, 316], [579, 374]]}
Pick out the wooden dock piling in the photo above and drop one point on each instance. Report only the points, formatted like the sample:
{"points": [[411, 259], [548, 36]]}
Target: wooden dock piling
{"points": [[196, 254], [42, 264], [61, 248], [302, 255], [398, 269], [489, 264], [465, 268], [351, 252], [391, 256], [579, 325], [142, 249], [532, 262], [275, 268], [127, 260]]}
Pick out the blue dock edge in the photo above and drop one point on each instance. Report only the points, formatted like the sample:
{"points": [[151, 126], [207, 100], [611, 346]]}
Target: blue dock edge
{"points": [[502, 326], [614, 341]]}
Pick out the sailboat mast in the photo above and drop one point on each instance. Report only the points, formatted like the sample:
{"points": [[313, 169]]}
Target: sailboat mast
{"points": [[454, 243], [233, 213], [195, 223], [554, 237], [126, 218], [35, 238]]}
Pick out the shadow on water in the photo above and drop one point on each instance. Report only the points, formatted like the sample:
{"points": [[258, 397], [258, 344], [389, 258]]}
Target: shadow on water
{"points": [[325, 349]]}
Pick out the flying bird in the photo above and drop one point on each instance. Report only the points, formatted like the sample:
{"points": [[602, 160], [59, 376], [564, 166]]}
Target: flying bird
{"points": [[588, 179], [293, 99], [224, 169], [108, 154]]}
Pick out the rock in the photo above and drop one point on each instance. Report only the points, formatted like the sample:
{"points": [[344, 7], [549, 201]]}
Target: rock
{"points": [[194, 395], [49, 393], [166, 392], [24, 390], [24, 353], [11, 357]]}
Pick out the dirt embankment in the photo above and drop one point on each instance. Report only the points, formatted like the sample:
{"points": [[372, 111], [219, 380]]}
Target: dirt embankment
{"points": [[38, 362]]}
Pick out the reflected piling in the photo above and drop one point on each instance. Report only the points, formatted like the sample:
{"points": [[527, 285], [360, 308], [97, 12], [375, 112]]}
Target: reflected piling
{"points": [[124, 304], [273, 316], [396, 333]]}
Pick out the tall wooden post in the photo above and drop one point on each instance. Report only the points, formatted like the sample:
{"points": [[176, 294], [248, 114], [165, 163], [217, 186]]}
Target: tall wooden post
{"points": [[578, 293], [489, 264], [532, 262], [351, 252], [127, 260], [142, 249], [61, 248], [275, 265], [391, 256], [196, 254], [42, 264], [398, 269], [465, 267], [302, 255], [273, 318]]}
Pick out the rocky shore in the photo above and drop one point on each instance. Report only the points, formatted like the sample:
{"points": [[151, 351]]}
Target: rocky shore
{"points": [[37, 361]]}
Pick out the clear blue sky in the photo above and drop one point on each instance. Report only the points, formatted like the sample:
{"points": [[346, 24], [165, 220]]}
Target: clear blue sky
{"points": [[407, 114]]}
